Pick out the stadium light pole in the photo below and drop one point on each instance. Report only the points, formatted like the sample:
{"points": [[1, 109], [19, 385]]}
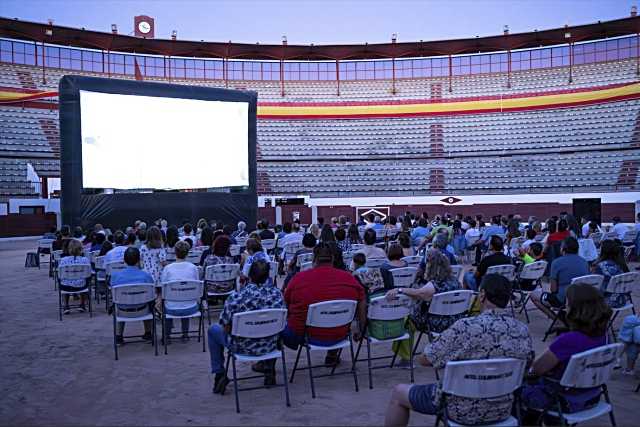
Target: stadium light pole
{"points": [[284, 45], [506, 33], [338, 76], [567, 35]]}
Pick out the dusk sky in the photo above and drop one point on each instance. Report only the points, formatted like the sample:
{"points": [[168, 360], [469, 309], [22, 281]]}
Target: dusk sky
{"points": [[320, 22]]}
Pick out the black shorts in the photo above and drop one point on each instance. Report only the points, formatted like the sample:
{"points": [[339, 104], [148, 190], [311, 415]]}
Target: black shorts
{"points": [[72, 288], [551, 299]]}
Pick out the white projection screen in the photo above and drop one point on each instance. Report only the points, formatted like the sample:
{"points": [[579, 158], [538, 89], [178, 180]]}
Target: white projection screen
{"points": [[150, 142]]}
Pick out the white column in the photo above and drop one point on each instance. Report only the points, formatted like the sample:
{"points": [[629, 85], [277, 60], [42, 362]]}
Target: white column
{"points": [[314, 214], [278, 214]]}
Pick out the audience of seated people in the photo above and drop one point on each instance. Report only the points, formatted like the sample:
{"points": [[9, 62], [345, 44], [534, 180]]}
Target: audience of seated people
{"points": [[586, 312]]}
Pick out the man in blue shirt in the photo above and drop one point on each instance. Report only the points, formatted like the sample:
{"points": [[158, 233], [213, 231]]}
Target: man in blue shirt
{"points": [[483, 242], [420, 232], [131, 275], [563, 269]]}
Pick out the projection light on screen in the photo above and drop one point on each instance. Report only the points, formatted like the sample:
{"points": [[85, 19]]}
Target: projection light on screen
{"points": [[146, 142]]}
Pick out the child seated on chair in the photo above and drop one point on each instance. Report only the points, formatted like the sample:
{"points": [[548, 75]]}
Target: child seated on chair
{"points": [[532, 254], [630, 335]]}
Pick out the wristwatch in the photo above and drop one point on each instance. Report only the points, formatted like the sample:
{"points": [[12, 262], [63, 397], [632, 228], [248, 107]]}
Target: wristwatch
{"points": [[400, 291]]}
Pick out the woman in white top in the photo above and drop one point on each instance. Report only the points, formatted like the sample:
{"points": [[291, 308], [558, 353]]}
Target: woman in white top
{"points": [[153, 256], [180, 270]]}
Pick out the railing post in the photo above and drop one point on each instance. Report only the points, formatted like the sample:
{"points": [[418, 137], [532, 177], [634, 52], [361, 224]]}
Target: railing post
{"points": [[450, 74], [44, 77], [509, 69], [571, 62], [338, 75]]}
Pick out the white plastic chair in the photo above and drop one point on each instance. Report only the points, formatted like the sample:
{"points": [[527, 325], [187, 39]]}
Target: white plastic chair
{"points": [[382, 310], [56, 256], [143, 295], [589, 369], [241, 241], [235, 250], [45, 248], [412, 261], [533, 272], [258, 324], [289, 250], [508, 271], [447, 304], [481, 379], [268, 244], [226, 274], [111, 268], [404, 277], [193, 257], [610, 235], [456, 271], [375, 262], [328, 314], [179, 295], [629, 237], [304, 258], [622, 284], [273, 272], [75, 272], [306, 266], [594, 280]]}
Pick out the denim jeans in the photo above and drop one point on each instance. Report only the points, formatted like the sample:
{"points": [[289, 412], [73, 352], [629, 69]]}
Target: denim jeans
{"points": [[470, 281], [218, 341]]}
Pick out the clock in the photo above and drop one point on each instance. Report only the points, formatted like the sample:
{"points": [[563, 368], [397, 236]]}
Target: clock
{"points": [[144, 27]]}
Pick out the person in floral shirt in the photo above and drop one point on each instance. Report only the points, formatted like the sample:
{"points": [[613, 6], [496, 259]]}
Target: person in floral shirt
{"points": [[256, 295], [611, 263], [492, 334], [153, 256]]}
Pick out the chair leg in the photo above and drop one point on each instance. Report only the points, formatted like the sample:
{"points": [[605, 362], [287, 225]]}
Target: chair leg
{"points": [[333, 369], [284, 376], [606, 398], [153, 331], [415, 347], [201, 331], [353, 364], [411, 360], [89, 298], [313, 388], [369, 363], [358, 349], [60, 305], [235, 384], [553, 323], [164, 332], [295, 365], [115, 341]]}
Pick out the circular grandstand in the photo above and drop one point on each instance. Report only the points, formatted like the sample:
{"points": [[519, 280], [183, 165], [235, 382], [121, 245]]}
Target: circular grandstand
{"points": [[535, 120]]}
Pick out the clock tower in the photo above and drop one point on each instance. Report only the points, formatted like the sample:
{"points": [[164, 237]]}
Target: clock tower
{"points": [[144, 26]]}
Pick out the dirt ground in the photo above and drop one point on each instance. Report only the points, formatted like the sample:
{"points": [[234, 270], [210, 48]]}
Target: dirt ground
{"points": [[64, 373]]}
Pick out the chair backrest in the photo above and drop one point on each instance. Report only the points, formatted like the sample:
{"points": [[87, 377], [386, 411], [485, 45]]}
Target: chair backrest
{"points": [[590, 279], [45, 243], [221, 272], [533, 271], [193, 257], [381, 233], [347, 257], [539, 237], [412, 261], [291, 248], [472, 239], [478, 379], [451, 303], [304, 258], [404, 277], [306, 266], [273, 270], [623, 283], [268, 244], [241, 241], [506, 270], [610, 235], [596, 237], [375, 262], [182, 290], [380, 308], [99, 263], [516, 243], [591, 368], [57, 255], [234, 250], [357, 246], [331, 314], [135, 293], [114, 267], [629, 236], [456, 270], [74, 271], [170, 254], [259, 323]]}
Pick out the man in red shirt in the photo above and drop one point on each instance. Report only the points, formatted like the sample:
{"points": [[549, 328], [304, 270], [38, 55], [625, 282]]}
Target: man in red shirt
{"points": [[321, 283]]}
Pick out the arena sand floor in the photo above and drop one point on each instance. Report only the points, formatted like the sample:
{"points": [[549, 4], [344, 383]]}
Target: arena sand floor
{"points": [[64, 373]]}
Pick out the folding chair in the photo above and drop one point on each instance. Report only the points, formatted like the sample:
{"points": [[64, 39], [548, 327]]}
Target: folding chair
{"points": [[241, 241], [306, 266], [404, 277], [456, 271], [357, 246], [412, 261], [194, 257], [375, 262], [448, 304], [533, 272], [611, 235], [273, 272], [481, 379], [304, 258], [268, 245], [289, 250], [75, 272], [507, 271], [170, 254], [328, 314], [515, 244], [470, 250], [134, 303], [216, 275], [181, 295], [622, 284], [44, 248], [347, 257], [596, 237], [257, 324], [594, 280], [589, 369], [111, 268], [56, 256], [383, 312], [99, 277]]}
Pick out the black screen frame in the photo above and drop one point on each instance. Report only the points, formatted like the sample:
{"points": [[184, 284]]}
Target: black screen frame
{"points": [[82, 209]]}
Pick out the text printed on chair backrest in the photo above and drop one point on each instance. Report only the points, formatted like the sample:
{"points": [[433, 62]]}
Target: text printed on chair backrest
{"points": [[483, 378], [259, 323], [331, 314], [221, 272], [375, 262], [590, 279], [186, 290], [623, 283], [404, 277], [591, 368], [506, 270], [380, 308], [74, 272], [135, 293], [533, 271], [450, 303]]}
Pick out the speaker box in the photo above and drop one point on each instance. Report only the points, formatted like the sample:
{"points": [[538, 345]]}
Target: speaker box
{"points": [[587, 208]]}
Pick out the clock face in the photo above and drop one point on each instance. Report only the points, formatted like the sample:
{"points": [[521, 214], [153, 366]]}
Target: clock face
{"points": [[144, 27]]}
